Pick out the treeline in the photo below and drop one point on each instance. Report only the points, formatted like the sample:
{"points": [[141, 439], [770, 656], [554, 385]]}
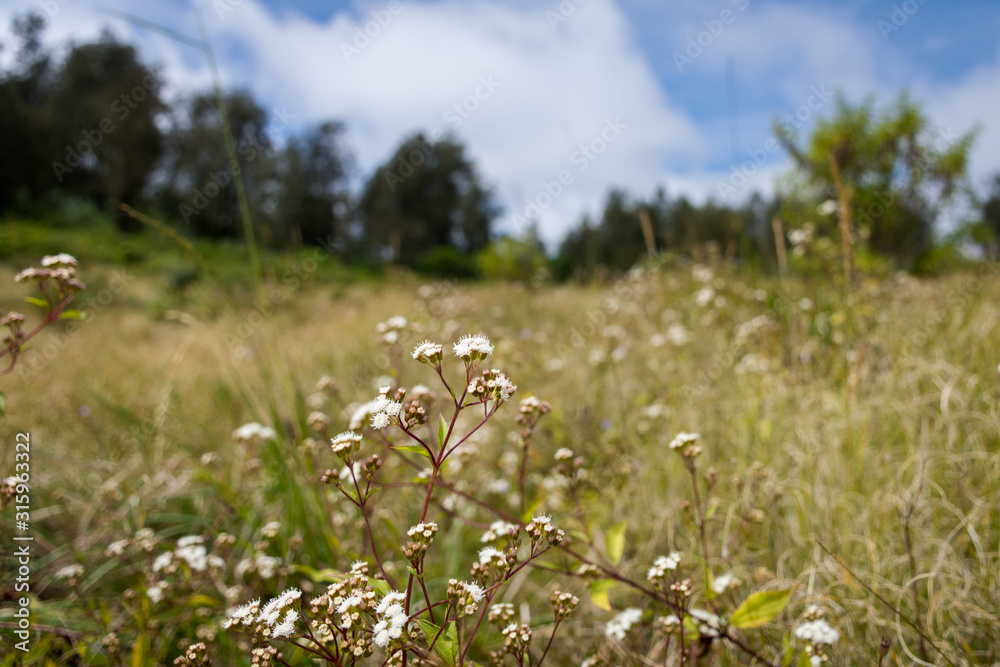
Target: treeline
{"points": [[94, 125]]}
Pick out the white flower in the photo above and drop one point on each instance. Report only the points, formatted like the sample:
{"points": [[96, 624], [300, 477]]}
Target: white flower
{"points": [[389, 599], [622, 623], [155, 592], [348, 602], [709, 624], [69, 572], [827, 207], [683, 439], [162, 561], [266, 565], [817, 632], [497, 530], [475, 590], [244, 615], [344, 442], [487, 554], [62, 259], [384, 409], [116, 548], [469, 347], [189, 540], [678, 335], [662, 564], [248, 432], [286, 627], [704, 296], [196, 556], [564, 454], [428, 352], [722, 583]]}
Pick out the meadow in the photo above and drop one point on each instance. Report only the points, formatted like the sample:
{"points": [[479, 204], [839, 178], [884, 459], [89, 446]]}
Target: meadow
{"points": [[847, 460]]}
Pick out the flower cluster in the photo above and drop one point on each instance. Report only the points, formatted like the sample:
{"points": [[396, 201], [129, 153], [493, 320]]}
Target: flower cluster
{"points": [[58, 284], [817, 634], [345, 444], [421, 537], [428, 353], [465, 597], [500, 530], [517, 639], [393, 619], [351, 620], [563, 603], [619, 626], [543, 533], [501, 614], [491, 385], [494, 564], [275, 620], [683, 439], [709, 624], [663, 564], [196, 655], [384, 409], [253, 431], [390, 329], [473, 349]]}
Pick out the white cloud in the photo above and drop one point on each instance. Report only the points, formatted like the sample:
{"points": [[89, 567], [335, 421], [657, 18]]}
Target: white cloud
{"points": [[552, 91]]}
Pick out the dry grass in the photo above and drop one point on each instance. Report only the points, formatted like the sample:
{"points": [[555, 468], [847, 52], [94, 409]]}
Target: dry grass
{"points": [[846, 420]]}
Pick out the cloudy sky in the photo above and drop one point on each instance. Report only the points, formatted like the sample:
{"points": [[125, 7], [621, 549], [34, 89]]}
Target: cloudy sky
{"points": [[602, 93]]}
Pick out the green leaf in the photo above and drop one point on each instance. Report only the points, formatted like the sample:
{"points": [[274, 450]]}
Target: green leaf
{"points": [[381, 586], [804, 660], [710, 593], [599, 593], [201, 600], [70, 314], [41, 303], [760, 608], [417, 449], [442, 430], [447, 643], [614, 541], [530, 512]]}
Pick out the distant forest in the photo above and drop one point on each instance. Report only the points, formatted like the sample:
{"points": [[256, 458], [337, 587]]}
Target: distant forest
{"points": [[92, 124]]}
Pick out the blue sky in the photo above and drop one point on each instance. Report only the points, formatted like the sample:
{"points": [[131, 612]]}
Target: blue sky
{"points": [[596, 92]]}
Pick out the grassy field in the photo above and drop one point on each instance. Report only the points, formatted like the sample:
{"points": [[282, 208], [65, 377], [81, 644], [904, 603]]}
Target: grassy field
{"points": [[850, 453]]}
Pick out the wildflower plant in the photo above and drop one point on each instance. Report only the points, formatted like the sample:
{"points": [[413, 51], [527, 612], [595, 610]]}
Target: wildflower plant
{"points": [[392, 604]]}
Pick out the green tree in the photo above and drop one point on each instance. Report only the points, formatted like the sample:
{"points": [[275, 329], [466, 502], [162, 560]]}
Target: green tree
{"points": [[200, 182], [314, 199], [427, 196], [899, 171], [107, 105], [26, 152]]}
